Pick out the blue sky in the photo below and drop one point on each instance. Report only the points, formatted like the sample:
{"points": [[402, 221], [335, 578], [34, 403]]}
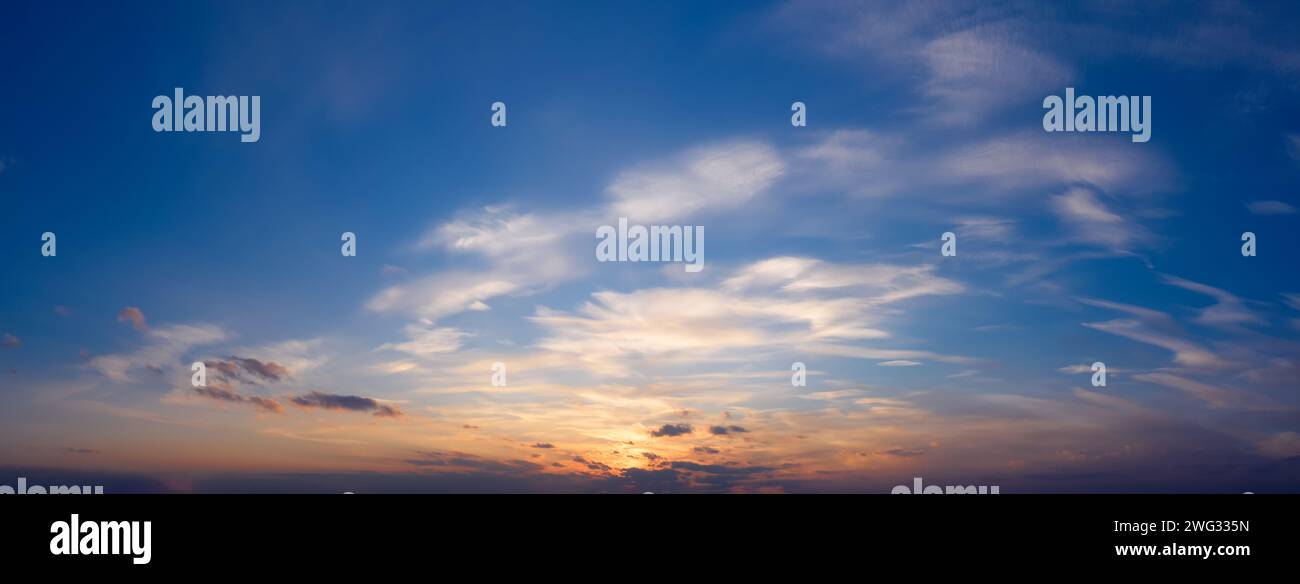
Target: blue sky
{"points": [[475, 246]]}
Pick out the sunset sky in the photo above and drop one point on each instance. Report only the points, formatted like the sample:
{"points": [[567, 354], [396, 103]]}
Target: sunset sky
{"points": [[475, 245]]}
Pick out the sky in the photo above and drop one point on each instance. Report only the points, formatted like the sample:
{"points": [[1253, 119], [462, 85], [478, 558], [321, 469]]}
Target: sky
{"points": [[476, 245]]}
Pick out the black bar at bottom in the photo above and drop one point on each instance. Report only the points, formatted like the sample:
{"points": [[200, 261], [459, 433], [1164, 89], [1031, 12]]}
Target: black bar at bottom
{"points": [[1239, 534]]}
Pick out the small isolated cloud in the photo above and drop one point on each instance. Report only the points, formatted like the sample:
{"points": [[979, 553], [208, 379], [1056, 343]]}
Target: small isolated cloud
{"points": [[425, 340], [9, 341], [1270, 208], [904, 452], [134, 316], [1093, 222], [899, 363], [1075, 369], [517, 253], [705, 450], [724, 430], [985, 228], [544, 445], [353, 403], [671, 430], [717, 176]]}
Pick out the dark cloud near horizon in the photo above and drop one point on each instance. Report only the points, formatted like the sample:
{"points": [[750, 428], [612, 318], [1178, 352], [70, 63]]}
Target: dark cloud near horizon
{"points": [[719, 476], [671, 430], [904, 452], [454, 472], [593, 465], [432, 458], [222, 392], [353, 403]]}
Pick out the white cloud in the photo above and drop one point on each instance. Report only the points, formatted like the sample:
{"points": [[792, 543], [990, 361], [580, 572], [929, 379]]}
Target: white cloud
{"points": [[770, 305], [979, 71], [1093, 222], [1185, 352], [866, 163], [708, 178], [974, 59], [881, 283], [984, 228], [899, 363], [1152, 316], [1035, 160], [1270, 208], [1215, 396], [426, 339], [162, 351], [1228, 310], [444, 294], [521, 253], [853, 161]]}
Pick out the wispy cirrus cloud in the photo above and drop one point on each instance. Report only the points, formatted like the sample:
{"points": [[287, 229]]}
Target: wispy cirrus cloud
{"points": [[1228, 309], [1270, 207], [162, 350], [975, 60], [526, 252], [1092, 222], [769, 305]]}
